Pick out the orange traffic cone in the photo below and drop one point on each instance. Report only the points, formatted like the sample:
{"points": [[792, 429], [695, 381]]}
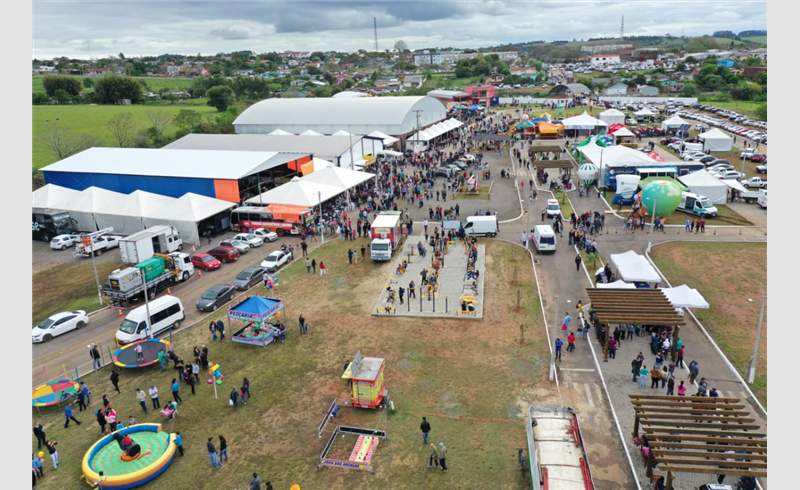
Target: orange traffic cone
{"points": [[200, 274], [169, 292], [120, 313]]}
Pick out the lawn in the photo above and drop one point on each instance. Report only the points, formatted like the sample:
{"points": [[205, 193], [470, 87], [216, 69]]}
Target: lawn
{"points": [[92, 119], [73, 287], [153, 84], [732, 320], [757, 39], [743, 107], [484, 192], [472, 379]]}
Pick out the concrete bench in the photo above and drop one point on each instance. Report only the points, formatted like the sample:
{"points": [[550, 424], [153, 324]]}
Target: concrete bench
{"points": [[387, 309], [468, 312]]}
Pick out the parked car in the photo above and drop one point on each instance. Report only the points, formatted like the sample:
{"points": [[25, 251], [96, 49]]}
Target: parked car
{"points": [[728, 174], [720, 166], [707, 159], [762, 169], [224, 253], [274, 260], [62, 242], [247, 278], [443, 172], [265, 234], [676, 146], [250, 239], [758, 158], [58, 324], [215, 296], [670, 140], [205, 261], [240, 246]]}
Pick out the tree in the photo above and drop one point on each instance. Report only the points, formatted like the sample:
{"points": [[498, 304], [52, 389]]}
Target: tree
{"points": [[463, 71], [689, 89], [40, 98], [159, 121], [691, 59], [111, 88], [223, 122], [400, 46], [187, 120], [63, 143], [88, 82], [123, 127], [220, 97], [761, 112], [324, 91], [70, 85]]}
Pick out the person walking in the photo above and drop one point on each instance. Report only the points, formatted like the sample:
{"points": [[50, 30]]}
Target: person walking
{"points": [[162, 359], [154, 397], [94, 353], [655, 377], [196, 371], [679, 361], [246, 389], [212, 327], [68, 414], [400, 293], [304, 246], [571, 342], [256, 483], [442, 456], [212, 453], [51, 448], [643, 372], [694, 370], [636, 365], [425, 427], [303, 325], [234, 398], [412, 290], [433, 460], [308, 266], [612, 348], [115, 379], [221, 330], [350, 254], [223, 448], [363, 254], [578, 261], [681, 389], [38, 431], [559, 343], [265, 278], [175, 387], [671, 386], [140, 397], [81, 400], [179, 442], [190, 380], [100, 417], [322, 269]]}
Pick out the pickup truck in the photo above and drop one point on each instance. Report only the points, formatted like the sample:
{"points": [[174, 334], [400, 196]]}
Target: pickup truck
{"points": [[755, 182], [98, 246], [762, 169], [759, 196]]}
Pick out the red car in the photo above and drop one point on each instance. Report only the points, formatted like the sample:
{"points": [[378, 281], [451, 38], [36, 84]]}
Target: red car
{"points": [[206, 261], [758, 158], [224, 253], [667, 141]]}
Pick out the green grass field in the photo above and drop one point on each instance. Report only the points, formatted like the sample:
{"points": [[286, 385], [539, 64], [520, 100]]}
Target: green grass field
{"points": [[92, 119], [744, 107], [154, 84], [757, 39], [472, 379]]}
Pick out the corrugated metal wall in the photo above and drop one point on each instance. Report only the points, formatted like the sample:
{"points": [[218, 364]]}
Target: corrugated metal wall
{"points": [[166, 186]]}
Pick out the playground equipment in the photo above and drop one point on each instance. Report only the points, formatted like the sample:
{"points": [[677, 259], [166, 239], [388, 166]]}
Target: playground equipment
{"points": [[367, 380], [257, 311], [366, 442], [126, 357], [129, 463], [55, 392]]}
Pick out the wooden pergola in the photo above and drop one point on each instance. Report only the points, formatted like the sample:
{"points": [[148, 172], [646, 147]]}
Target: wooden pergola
{"points": [[554, 164], [634, 306], [544, 149], [699, 434]]}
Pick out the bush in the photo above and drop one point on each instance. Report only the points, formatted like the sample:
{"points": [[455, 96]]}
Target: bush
{"points": [[53, 83], [112, 88]]}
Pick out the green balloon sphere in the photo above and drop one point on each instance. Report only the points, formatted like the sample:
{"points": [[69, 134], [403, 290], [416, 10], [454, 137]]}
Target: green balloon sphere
{"points": [[661, 197]]}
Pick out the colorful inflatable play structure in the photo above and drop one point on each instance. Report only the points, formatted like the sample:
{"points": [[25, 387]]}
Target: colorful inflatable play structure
{"points": [[129, 457], [262, 317], [54, 392], [127, 357]]}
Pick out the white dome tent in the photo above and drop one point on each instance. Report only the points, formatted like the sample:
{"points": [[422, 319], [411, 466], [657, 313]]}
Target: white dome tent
{"points": [[716, 140], [612, 116]]}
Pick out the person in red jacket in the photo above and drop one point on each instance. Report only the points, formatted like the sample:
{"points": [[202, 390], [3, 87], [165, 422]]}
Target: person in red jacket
{"points": [[571, 342]]}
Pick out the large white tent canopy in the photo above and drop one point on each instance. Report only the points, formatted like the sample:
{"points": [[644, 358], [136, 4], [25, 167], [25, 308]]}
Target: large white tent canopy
{"points": [[633, 267], [126, 215], [612, 116], [387, 140], [644, 111], [297, 192], [716, 140], [88, 202], [338, 177], [583, 121], [675, 122], [618, 284], [685, 297], [436, 130], [186, 212], [703, 183], [53, 196]]}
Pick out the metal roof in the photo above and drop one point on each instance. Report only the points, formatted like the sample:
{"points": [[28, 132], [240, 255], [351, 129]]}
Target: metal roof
{"points": [[321, 146], [200, 164], [447, 94]]}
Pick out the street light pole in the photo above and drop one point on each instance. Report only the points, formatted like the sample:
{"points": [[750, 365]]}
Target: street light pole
{"points": [[148, 327], [321, 224], [752, 374], [652, 224]]}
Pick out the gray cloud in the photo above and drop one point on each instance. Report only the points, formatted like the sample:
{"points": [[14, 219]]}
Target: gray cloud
{"points": [[73, 28]]}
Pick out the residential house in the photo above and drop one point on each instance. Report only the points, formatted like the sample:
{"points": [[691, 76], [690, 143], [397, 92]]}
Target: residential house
{"points": [[759, 53], [647, 91], [674, 88], [414, 81], [297, 83], [495, 78], [754, 72], [480, 94], [617, 89], [294, 62], [427, 58], [524, 71], [171, 70], [728, 63], [97, 71], [604, 60], [47, 69]]}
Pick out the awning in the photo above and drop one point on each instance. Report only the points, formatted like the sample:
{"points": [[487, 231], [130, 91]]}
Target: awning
{"points": [[390, 153], [734, 184], [685, 297]]}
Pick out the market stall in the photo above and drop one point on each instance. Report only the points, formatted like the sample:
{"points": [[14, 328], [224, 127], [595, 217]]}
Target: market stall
{"points": [[262, 317], [367, 380]]}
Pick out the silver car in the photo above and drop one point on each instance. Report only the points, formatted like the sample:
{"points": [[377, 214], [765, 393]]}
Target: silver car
{"points": [[239, 245]]}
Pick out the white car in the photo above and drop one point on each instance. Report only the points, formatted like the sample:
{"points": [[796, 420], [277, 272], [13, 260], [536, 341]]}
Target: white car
{"points": [[690, 155], [58, 324], [266, 234], [249, 239], [275, 260], [469, 157], [62, 242], [553, 208], [239, 245]]}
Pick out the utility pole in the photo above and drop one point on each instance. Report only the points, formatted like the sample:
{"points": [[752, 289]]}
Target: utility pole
{"points": [[622, 28], [752, 375], [417, 111], [652, 224], [375, 24]]}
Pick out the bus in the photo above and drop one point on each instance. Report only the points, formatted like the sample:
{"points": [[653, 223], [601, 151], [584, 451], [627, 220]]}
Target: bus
{"points": [[48, 223], [283, 219]]}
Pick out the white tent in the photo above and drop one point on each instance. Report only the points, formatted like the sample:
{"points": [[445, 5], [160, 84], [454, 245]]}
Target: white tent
{"points": [[186, 212], [338, 177], [618, 284], [703, 183], [310, 132], [53, 196], [644, 112], [125, 216], [612, 116], [734, 184], [716, 140], [89, 201], [632, 267], [622, 132], [390, 153], [280, 132], [320, 163], [685, 297], [584, 121], [675, 122], [341, 132], [387, 140], [297, 192]]}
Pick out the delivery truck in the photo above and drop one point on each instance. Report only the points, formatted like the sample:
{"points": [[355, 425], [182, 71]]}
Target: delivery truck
{"points": [[127, 286], [387, 234], [154, 240]]}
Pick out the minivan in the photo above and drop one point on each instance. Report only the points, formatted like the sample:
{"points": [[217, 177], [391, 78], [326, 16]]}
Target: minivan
{"points": [[480, 226], [544, 239], [165, 312]]}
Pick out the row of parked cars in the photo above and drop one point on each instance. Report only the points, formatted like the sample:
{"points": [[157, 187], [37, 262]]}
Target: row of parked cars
{"points": [[735, 124]]}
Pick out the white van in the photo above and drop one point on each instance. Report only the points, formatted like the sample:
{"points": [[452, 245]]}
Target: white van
{"points": [[691, 147], [480, 225], [698, 205], [165, 312], [544, 239]]}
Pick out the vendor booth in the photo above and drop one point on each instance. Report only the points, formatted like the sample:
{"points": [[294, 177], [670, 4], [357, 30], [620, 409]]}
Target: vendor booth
{"points": [[367, 380], [549, 130], [612, 116], [705, 184], [262, 320], [716, 140]]}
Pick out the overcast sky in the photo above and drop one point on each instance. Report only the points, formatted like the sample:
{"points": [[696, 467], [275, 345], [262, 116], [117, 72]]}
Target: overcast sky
{"points": [[82, 28]]}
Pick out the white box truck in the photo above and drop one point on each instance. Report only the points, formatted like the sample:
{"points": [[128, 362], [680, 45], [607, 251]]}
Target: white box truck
{"points": [[544, 239], [386, 234], [154, 240]]}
